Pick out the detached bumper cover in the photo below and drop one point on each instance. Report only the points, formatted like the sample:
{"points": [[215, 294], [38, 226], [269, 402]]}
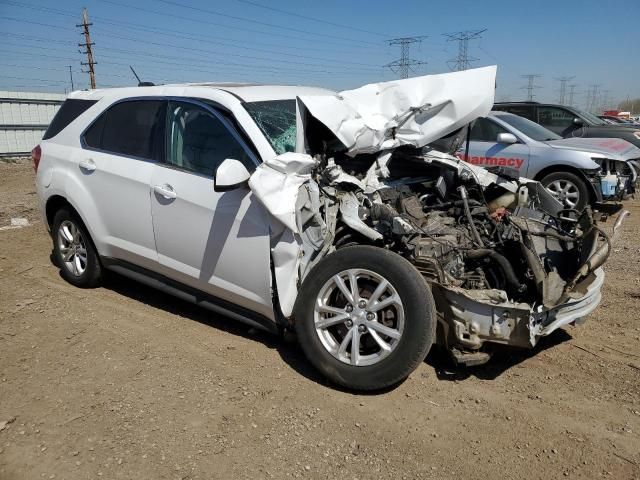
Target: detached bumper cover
{"points": [[479, 320]]}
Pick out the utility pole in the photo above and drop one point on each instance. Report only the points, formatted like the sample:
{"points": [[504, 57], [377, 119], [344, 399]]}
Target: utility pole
{"points": [[89, 47], [404, 63], [572, 93], [531, 86], [71, 77], [563, 88], [463, 60]]}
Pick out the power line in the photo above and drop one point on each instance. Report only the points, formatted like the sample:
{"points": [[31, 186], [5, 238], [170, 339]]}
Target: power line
{"points": [[563, 88], [88, 44], [233, 17], [404, 63], [463, 60], [208, 23], [350, 27], [531, 86]]}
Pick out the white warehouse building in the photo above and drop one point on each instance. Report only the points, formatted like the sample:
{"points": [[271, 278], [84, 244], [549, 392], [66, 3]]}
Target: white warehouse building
{"points": [[24, 117]]}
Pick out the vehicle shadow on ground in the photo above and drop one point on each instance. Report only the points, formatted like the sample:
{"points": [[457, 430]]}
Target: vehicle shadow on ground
{"points": [[502, 359], [286, 345], [288, 349]]}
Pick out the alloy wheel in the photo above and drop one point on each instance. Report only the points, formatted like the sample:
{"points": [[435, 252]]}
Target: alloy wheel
{"points": [[72, 247], [359, 317], [565, 191]]}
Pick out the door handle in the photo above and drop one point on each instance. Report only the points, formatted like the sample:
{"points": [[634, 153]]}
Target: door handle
{"points": [[165, 190], [88, 165]]}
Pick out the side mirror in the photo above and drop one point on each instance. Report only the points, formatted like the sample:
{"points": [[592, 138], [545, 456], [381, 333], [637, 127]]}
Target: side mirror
{"points": [[578, 122], [508, 138], [231, 174]]}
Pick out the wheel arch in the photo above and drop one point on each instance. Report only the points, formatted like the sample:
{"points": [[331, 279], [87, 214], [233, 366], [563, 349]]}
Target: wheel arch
{"points": [[54, 203]]}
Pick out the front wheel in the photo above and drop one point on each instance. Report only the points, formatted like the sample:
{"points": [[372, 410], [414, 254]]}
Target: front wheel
{"points": [[568, 188], [365, 317]]}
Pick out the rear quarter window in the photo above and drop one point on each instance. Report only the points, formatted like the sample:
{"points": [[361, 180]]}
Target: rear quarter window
{"points": [[70, 110]]}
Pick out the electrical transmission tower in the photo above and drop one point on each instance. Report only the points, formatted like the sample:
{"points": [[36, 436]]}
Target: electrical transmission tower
{"points": [[563, 88], [572, 93], [404, 63], [592, 97], [531, 86], [463, 60], [88, 45]]}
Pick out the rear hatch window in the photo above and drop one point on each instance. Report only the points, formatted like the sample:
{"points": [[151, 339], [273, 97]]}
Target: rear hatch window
{"points": [[68, 112]]}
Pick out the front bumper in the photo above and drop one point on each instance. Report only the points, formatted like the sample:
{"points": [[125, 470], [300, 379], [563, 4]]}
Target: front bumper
{"points": [[471, 319]]}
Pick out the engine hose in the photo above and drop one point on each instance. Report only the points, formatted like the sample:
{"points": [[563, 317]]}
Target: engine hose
{"points": [[467, 212], [503, 263]]}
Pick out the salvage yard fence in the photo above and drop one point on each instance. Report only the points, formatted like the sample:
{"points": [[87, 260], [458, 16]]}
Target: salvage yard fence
{"points": [[24, 117]]}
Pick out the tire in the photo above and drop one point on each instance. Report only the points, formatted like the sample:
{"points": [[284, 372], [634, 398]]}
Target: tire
{"points": [[409, 316], [70, 241], [569, 188]]}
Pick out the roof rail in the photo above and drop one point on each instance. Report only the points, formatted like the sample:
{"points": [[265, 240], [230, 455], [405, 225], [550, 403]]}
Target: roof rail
{"points": [[523, 101]]}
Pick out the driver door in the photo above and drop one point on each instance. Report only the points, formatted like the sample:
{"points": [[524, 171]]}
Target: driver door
{"points": [[486, 151], [216, 242]]}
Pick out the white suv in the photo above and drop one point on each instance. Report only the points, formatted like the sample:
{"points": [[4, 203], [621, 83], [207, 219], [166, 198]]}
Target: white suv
{"points": [[253, 202]]}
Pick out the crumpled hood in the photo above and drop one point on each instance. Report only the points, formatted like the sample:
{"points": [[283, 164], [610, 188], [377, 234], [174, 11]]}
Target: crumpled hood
{"points": [[611, 148], [414, 111]]}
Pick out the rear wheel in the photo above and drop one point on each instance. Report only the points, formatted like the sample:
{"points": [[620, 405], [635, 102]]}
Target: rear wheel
{"points": [[568, 188], [365, 317], [73, 250]]}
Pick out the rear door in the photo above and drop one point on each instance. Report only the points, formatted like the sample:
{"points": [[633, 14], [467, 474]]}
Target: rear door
{"points": [[217, 242], [486, 151], [119, 151]]}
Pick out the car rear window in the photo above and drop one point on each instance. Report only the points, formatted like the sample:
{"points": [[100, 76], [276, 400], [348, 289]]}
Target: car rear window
{"points": [[70, 110], [132, 128]]}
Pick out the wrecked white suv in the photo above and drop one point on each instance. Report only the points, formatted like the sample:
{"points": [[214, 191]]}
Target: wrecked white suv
{"points": [[342, 216]]}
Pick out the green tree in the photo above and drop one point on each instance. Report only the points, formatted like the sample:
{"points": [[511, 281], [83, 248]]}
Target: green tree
{"points": [[632, 105]]}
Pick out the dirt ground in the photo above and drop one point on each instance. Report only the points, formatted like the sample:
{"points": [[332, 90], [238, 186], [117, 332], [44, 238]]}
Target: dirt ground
{"points": [[123, 382]]}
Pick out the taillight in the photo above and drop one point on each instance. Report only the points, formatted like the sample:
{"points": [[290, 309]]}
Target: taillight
{"points": [[36, 153]]}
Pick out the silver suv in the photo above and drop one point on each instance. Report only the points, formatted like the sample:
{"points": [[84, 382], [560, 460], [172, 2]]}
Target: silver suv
{"points": [[296, 208]]}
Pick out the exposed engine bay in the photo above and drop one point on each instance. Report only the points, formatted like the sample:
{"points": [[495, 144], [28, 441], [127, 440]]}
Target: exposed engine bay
{"points": [[505, 246], [506, 262]]}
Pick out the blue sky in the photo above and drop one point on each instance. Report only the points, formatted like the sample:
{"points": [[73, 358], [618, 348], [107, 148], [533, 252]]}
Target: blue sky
{"points": [[332, 43]]}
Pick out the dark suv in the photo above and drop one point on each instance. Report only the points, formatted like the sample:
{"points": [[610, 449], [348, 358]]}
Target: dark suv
{"points": [[570, 122]]}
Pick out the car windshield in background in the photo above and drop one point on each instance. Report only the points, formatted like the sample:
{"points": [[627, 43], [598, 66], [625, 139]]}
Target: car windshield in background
{"points": [[591, 118], [277, 120], [529, 128]]}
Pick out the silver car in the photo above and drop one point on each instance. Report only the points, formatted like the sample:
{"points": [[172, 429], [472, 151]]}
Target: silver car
{"points": [[577, 171]]}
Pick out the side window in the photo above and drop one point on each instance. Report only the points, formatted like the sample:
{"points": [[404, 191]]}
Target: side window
{"points": [[484, 130], [198, 141], [133, 128], [554, 117]]}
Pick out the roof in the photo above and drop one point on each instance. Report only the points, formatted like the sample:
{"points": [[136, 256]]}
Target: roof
{"points": [[245, 91]]}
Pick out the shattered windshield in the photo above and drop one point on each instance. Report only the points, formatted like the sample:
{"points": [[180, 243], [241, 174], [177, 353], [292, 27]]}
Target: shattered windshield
{"points": [[277, 120]]}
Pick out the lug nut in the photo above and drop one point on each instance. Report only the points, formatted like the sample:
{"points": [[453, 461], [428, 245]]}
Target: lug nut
{"points": [[349, 308], [362, 304], [362, 328], [349, 323], [371, 316]]}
